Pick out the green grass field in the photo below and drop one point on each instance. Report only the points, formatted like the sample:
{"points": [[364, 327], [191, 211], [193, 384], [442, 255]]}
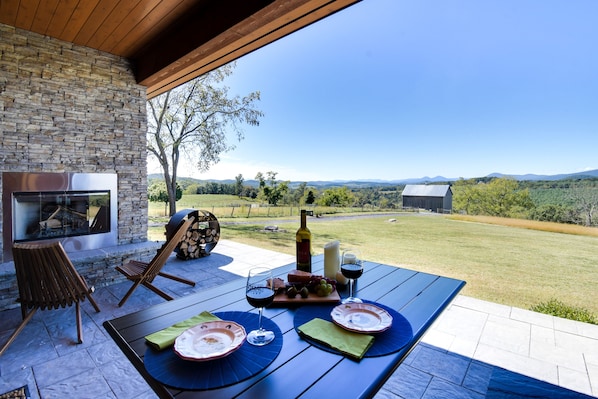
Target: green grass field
{"points": [[520, 266]]}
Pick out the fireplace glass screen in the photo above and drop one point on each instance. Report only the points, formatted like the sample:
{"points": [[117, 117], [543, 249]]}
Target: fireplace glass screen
{"points": [[56, 214]]}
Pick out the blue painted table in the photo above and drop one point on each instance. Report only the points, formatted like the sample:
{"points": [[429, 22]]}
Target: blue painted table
{"points": [[300, 369]]}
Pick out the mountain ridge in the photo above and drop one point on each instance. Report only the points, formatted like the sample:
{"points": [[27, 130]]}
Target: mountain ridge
{"points": [[422, 180]]}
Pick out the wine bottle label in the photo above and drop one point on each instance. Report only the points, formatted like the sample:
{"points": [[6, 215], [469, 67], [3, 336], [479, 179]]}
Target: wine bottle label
{"points": [[304, 255]]}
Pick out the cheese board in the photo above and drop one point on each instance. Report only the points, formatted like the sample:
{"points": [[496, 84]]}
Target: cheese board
{"points": [[283, 300], [306, 283]]}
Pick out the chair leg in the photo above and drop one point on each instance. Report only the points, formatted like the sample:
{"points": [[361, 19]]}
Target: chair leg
{"points": [[93, 302], [158, 291], [177, 278], [18, 330], [79, 324], [128, 294]]}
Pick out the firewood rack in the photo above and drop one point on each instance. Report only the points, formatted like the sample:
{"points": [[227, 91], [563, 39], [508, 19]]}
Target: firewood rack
{"points": [[201, 237]]}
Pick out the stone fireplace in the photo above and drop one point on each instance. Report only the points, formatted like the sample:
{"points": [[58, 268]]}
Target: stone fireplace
{"points": [[70, 114]]}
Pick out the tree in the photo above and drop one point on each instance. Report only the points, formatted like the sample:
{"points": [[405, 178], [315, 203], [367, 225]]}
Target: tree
{"points": [[499, 197], [191, 189], [157, 192], [586, 201], [193, 120], [298, 194], [271, 189], [466, 196], [340, 196], [504, 198], [239, 185]]}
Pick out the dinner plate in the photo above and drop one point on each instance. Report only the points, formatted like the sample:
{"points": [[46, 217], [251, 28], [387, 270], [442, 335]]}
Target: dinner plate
{"points": [[361, 317], [210, 340]]}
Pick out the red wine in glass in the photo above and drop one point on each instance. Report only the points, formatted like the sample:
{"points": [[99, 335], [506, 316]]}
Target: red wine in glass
{"points": [[260, 297], [259, 294], [352, 268]]}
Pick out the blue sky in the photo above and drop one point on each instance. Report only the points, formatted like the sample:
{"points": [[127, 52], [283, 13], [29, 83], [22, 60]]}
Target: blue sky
{"points": [[393, 89]]}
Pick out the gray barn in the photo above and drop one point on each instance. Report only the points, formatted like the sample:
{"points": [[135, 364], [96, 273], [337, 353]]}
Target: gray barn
{"points": [[438, 198]]}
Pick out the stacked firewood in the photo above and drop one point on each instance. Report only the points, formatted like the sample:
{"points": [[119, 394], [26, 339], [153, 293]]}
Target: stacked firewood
{"points": [[201, 238]]}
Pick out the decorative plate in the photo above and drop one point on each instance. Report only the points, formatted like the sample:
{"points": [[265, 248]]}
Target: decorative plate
{"points": [[210, 340], [361, 317]]}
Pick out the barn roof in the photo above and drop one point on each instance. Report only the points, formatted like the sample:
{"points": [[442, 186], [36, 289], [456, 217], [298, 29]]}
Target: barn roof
{"points": [[420, 190]]}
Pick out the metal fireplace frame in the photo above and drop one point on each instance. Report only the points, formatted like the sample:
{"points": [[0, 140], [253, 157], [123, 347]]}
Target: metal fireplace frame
{"points": [[20, 182]]}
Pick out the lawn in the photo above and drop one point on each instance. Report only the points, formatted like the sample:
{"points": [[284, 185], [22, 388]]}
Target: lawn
{"points": [[508, 265], [518, 266]]}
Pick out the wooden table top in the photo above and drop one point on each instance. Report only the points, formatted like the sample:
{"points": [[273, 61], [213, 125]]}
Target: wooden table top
{"points": [[300, 369]]}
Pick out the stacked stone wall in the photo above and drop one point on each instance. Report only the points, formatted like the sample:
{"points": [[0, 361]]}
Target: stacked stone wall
{"points": [[69, 108]]}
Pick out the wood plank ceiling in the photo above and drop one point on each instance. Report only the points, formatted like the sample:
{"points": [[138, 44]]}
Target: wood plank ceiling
{"points": [[168, 41]]}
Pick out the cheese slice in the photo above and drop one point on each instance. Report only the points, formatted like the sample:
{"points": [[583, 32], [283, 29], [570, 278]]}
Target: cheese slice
{"points": [[298, 276]]}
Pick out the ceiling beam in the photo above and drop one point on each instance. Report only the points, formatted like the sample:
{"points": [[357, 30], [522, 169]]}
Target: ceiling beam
{"points": [[193, 30], [268, 24]]}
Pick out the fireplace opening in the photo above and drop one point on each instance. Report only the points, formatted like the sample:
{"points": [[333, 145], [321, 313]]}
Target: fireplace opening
{"points": [[58, 214]]}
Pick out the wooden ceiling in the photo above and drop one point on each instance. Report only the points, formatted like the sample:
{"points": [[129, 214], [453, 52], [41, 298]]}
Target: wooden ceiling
{"points": [[168, 41]]}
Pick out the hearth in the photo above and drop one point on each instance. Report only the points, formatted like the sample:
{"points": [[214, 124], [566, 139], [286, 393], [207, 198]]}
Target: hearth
{"points": [[78, 209]]}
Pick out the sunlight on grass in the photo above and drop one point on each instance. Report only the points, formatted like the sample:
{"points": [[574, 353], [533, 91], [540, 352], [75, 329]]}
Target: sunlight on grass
{"points": [[531, 224], [509, 265]]}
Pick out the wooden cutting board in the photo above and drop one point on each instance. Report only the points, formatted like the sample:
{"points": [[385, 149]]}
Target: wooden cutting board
{"points": [[283, 300]]}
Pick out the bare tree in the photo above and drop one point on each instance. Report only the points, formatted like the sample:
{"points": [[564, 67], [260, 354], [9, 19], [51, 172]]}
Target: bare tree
{"points": [[585, 199], [193, 120]]}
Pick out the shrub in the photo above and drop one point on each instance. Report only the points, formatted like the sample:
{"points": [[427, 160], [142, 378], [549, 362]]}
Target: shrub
{"points": [[557, 308]]}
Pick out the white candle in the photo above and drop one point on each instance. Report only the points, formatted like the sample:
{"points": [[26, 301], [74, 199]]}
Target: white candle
{"points": [[349, 258], [331, 259]]}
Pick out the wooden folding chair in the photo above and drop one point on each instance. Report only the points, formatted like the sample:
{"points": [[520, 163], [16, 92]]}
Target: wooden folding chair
{"points": [[47, 280], [142, 273]]}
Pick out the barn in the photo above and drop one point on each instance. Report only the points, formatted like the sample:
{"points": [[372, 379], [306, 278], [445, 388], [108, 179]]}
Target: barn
{"points": [[437, 197]]}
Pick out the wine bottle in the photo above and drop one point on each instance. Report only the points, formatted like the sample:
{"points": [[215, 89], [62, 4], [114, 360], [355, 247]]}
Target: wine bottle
{"points": [[303, 238]]}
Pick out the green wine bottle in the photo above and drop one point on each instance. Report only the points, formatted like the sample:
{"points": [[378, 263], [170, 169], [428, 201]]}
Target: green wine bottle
{"points": [[303, 238]]}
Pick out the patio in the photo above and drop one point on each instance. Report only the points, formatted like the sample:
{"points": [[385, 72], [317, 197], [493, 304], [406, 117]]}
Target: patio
{"points": [[473, 348]]}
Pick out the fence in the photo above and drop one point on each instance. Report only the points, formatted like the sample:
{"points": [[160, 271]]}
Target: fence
{"points": [[271, 211]]}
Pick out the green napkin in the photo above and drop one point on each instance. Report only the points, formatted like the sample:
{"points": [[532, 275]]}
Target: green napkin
{"points": [[164, 338], [352, 344]]}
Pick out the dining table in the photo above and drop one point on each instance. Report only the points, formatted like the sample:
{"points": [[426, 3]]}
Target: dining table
{"points": [[294, 365]]}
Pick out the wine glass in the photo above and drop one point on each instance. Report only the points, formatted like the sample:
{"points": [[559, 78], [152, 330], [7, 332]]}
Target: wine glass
{"points": [[259, 293], [351, 268]]}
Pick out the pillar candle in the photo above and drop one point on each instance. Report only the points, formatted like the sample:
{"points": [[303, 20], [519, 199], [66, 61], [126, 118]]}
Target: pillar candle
{"points": [[331, 259]]}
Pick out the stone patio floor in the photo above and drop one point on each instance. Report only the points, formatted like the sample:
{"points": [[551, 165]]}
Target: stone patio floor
{"points": [[455, 359]]}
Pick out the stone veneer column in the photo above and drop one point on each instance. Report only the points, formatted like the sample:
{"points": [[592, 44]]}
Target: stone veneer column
{"points": [[68, 108]]}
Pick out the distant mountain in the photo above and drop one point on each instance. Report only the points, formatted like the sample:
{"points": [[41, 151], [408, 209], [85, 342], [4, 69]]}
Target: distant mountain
{"points": [[422, 180], [579, 175]]}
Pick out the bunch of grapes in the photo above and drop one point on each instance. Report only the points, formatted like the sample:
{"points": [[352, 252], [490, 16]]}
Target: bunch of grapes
{"points": [[318, 285], [321, 286]]}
